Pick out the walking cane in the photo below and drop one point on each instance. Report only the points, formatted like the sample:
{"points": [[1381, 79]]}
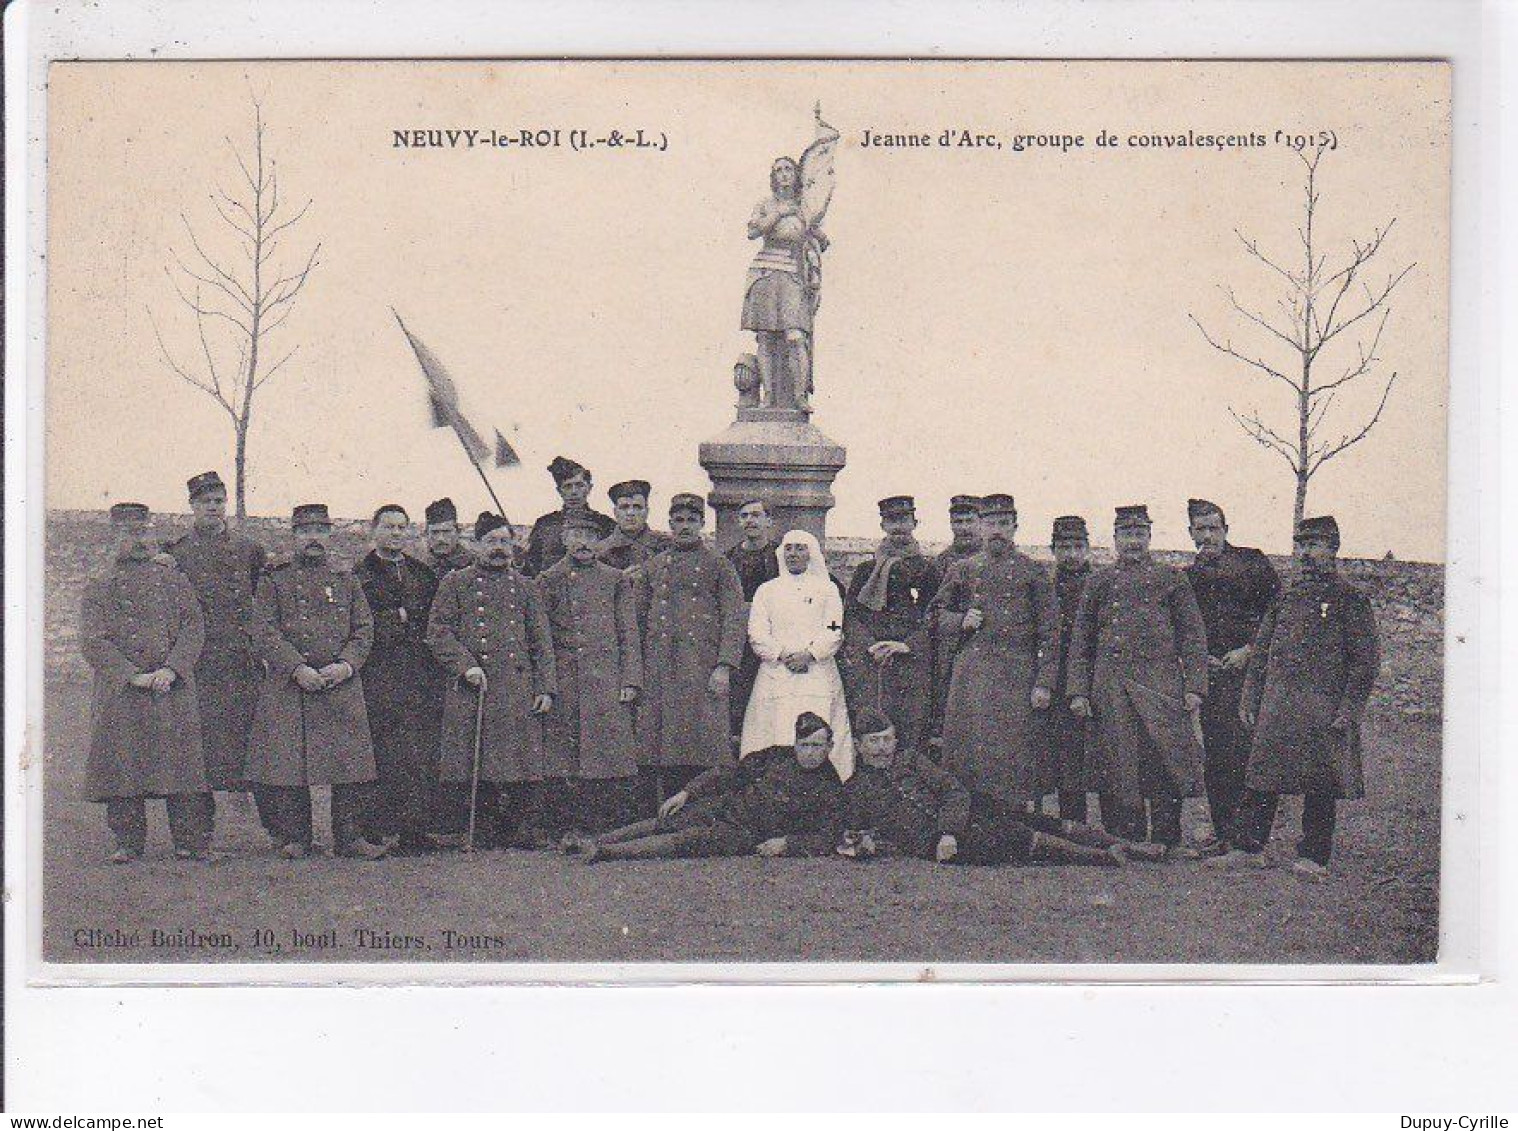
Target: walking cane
{"points": [[474, 773]]}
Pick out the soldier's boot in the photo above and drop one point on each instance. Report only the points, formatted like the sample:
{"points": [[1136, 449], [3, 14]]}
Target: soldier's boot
{"points": [[1057, 850], [347, 825]]}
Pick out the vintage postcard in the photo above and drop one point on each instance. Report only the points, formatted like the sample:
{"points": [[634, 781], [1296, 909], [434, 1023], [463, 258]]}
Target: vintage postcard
{"points": [[744, 512]]}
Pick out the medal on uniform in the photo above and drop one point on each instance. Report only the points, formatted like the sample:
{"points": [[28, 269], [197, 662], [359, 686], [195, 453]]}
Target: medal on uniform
{"points": [[1323, 611], [328, 591], [402, 612]]}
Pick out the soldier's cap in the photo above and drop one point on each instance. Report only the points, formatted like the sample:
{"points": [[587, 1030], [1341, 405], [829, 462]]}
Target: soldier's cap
{"points": [[563, 469], [1196, 508], [441, 510], [761, 500], [1070, 528], [808, 724], [487, 522], [582, 521], [1323, 527], [130, 514], [628, 488], [689, 503], [311, 514], [997, 504], [871, 721], [964, 504], [1132, 516], [897, 506], [206, 481]]}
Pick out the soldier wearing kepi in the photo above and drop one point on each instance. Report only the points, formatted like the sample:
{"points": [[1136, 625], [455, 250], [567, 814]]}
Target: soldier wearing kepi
{"points": [[633, 542], [444, 551], [691, 608], [141, 635], [223, 568], [545, 543], [1234, 586], [886, 661], [403, 693], [756, 562], [1067, 730], [488, 631], [995, 731], [1314, 663], [312, 626], [592, 613], [943, 638], [1138, 672]]}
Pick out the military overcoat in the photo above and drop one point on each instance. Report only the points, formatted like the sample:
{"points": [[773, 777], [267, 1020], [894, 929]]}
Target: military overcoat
{"points": [[902, 686]]}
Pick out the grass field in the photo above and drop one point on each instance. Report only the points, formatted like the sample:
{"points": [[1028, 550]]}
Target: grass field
{"points": [[1380, 906]]}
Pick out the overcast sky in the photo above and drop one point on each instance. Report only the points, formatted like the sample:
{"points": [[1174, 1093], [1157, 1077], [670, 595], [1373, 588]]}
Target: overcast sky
{"points": [[991, 321]]}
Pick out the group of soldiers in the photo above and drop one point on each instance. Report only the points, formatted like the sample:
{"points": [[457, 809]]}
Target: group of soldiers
{"points": [[588, 690]]}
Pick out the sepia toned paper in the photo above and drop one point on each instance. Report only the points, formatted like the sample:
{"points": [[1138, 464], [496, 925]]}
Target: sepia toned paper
{"points": [[1026, 261]]}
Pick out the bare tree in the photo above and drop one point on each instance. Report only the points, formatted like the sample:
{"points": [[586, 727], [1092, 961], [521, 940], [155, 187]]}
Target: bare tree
{"points": [[238, 292], [1321, 302]]}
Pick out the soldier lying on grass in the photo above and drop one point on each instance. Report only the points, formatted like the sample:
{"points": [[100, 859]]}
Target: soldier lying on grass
{"points": [[780, 801], [898, 803]]}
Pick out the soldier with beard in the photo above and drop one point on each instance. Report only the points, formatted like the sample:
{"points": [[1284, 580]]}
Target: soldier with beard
{"points": [[223, 567], [313, 629], [1234, 586], [141, 636], [633, 542], [1067, 731], [1310, 676], [943, 635]]}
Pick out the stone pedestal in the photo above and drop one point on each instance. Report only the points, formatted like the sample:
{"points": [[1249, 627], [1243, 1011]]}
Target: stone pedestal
{"points": [[776, 454]]}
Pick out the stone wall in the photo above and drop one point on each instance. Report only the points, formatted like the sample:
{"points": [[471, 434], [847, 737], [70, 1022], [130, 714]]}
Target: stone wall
{"points": [[1408, 596]]}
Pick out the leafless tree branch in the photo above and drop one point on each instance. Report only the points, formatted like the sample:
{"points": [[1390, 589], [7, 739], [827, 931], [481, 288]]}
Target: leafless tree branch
{"points": [[1348, 441], [1227, 348]]}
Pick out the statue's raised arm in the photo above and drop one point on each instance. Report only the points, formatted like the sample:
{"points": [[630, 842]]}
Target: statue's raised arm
{"points": [[784, 287]]}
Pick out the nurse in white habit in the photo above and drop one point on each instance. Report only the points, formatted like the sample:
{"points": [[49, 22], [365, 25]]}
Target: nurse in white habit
{"points": [[796, 628]]}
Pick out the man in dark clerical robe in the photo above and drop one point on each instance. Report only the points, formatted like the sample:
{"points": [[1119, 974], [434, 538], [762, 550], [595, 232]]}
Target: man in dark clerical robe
{"points": [[943, 637], [755, 560], [1067, 730], [886, 660], [1138, 672], [223, 567], [545, 543], [1234, 587], [444, 550], [403, 688], [633, 542], [141, 635]]}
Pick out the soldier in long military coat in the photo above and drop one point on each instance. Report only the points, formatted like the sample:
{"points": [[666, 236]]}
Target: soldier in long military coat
{"points": [[1315, 661], [313, 630], [754, 558], [943, 634], [1138, 672], [223, 567], [1234, 586], [995, 733], [633, 541], [443, 551], [598, 654], [886, 661], [545, 542], [1067, 730], [691, 608], [489, 632], [141, 634], [403, 688]]}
